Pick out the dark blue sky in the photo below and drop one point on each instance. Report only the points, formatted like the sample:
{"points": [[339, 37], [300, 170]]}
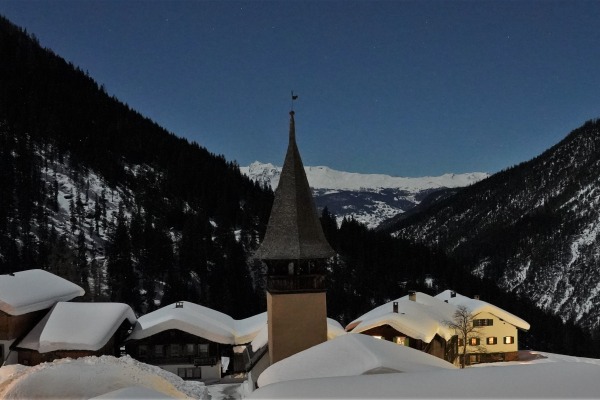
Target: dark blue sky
{"points": [[403, 88]]}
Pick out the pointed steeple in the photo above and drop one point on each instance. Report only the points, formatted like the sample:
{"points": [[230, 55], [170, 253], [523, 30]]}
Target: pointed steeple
{"points": [[294, 231]]}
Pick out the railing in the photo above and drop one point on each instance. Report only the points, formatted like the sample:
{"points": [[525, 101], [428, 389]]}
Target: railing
{"points": [[195, 360], [296, 283], [198, 361]]}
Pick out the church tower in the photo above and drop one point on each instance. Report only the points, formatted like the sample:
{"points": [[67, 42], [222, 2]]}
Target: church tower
{"points": [[295, 251]]}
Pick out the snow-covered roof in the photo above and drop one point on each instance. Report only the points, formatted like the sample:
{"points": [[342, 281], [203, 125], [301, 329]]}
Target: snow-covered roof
{"points": [[425, 317], [33, 290], [477, 306], [351, 355], [77, 326], [420, 319], [199, 321]]}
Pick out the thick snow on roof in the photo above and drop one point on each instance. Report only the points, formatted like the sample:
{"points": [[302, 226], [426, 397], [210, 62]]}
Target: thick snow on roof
{"points": [[77, 326], [199, 321], [421, 319], [34, 290], [425, 317], [477, 306], [89, 377], [350, 355]]}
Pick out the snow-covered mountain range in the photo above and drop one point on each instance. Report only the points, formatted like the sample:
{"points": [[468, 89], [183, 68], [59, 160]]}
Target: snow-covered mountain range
{"points": [[368, 198], [534, 228]]}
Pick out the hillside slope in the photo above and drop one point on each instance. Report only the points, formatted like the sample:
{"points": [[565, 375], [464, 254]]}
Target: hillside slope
{"points": [[533, 228], [95, 192]]}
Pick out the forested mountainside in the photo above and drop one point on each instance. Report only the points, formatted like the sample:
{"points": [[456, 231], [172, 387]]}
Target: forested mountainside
{"points": [[95, 192], [532, 228], [98, 194]]}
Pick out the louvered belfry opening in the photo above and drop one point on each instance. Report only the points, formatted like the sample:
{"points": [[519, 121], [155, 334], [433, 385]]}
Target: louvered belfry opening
{"points": [[295, 251]]}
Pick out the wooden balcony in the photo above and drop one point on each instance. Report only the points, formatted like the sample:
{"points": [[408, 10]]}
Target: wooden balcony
{"points": [[191, 360], [295, 283]]}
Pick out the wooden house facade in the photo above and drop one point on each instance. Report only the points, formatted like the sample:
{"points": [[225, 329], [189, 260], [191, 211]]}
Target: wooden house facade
{"points": [[193, 341], [421, 321], [25, 298]]}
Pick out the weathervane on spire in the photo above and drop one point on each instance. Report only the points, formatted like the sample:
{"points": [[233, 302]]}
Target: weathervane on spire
{"points": [[294, 97]]}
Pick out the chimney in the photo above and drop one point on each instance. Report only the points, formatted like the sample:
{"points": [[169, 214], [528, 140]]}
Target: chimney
{"points": [[395, 307], [476, 297], [412, 295], [452, 293]]}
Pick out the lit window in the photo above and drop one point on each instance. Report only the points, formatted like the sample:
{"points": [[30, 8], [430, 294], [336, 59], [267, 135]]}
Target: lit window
{"points": [[378, 337], [401, 340], [509, 339], [492, 340], [474, 341]]}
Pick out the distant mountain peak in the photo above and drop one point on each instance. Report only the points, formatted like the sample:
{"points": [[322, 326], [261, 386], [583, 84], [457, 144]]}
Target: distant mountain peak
{"points": [[323, 177], [368, 198]]}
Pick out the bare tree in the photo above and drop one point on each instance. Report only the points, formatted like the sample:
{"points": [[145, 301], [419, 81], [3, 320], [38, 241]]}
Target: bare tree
{"points": [[462, 323]]}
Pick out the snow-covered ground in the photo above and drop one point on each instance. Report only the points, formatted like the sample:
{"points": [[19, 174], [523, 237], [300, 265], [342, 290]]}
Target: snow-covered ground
{"points": [[542, 375], [89, 377]]}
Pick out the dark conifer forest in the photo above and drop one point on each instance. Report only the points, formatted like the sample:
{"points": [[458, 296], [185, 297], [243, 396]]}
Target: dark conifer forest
{"points": [[94, 192]]}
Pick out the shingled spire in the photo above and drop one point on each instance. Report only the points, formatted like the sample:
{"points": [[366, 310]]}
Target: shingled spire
{"points": [[294, 231]]}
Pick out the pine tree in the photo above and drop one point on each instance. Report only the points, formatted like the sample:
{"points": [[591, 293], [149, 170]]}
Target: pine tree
{"points": [[121, 275]]}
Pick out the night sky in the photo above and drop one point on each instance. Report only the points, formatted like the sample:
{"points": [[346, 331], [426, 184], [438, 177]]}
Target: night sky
{"points": [[402, 88]]}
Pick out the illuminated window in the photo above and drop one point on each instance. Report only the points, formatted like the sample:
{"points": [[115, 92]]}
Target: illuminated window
{"points": [[474, 341], [378, 337], [509, 339], [401, 340], [492, 340]]}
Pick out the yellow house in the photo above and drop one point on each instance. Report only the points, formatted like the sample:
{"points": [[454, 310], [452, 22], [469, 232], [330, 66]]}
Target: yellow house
{"points": [[421, 321], [496, 335]]}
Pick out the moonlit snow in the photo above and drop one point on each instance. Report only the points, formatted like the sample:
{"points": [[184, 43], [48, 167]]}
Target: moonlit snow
{"points": [[90, 377], [343, 370], [341, 375]]}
